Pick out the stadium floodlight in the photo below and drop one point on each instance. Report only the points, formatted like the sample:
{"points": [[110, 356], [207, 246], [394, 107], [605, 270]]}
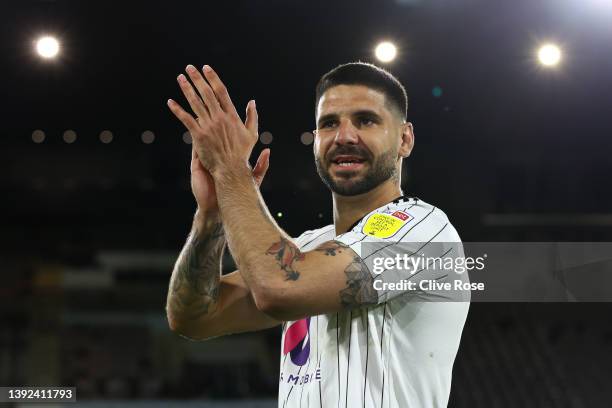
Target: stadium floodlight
{"points": [[386, 51], [47, 47], [549, 55]]}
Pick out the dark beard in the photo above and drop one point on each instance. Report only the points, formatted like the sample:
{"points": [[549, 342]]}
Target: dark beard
{"points": [[382, 169]]}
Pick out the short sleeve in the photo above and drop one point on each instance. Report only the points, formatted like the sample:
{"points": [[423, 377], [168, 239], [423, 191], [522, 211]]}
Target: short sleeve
{"points": [[411, 252], [311, 238]]}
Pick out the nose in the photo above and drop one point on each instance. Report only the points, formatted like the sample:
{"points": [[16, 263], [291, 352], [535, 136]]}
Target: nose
{"points": [[347, 133]]}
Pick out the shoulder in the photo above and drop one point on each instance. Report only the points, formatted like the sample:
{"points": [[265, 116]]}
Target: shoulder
{"points": [[406, 219], [311, 238]]}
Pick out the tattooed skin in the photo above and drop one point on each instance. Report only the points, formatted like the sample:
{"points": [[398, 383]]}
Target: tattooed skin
{"points": [[286, 254], [331, 248], [360, 285], [359, 289], [195, 284]]}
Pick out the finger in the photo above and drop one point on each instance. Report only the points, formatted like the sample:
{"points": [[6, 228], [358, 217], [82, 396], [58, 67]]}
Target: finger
{"points": [[220, 90], [260, 162], [261, 167], [186, 119], [205, 91], [196, 103], [252, 118]]}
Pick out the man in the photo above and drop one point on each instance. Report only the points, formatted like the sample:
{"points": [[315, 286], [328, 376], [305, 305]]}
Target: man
{"points": [[346, 341]]}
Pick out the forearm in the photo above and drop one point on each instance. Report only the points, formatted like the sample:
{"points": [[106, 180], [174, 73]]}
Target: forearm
{"points": [[252, 234], [194, 285], [286, 283]]}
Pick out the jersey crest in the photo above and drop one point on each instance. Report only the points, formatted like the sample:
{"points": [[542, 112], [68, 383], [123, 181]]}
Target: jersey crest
{"points": [[386, 224]]}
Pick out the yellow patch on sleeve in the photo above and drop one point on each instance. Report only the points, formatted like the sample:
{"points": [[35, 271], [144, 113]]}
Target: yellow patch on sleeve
{"points": [[381, 225]]}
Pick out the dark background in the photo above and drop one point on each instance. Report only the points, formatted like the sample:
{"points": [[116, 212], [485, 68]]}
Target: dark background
{"points": [[511, 151]]}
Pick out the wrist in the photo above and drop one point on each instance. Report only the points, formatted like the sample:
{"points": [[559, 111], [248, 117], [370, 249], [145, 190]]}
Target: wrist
{"points": [[205, 219], [232, 173]]}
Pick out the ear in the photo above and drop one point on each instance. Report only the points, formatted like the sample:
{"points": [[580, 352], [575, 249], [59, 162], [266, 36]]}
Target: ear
{"points": [[407, 140]]}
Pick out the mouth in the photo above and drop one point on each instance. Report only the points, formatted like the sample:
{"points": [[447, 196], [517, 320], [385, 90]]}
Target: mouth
{"points": [[348, 163]]}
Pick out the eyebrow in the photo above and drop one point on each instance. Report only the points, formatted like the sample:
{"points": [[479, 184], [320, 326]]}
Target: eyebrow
{"points": [[363, 112]]}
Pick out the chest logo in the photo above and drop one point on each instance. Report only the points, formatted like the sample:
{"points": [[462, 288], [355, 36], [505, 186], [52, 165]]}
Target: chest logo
{"points": [[297, 341], [382, 225]]}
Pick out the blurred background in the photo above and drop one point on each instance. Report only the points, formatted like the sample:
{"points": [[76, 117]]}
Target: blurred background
{"points": [[511, 104]]}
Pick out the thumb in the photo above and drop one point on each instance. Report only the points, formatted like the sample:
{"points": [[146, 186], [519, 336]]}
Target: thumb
{"points": [[196, 164], [261, 167], [252, 118]]}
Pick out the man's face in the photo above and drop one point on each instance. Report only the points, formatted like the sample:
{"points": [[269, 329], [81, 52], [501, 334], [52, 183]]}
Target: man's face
{"points": [[357, 139]]}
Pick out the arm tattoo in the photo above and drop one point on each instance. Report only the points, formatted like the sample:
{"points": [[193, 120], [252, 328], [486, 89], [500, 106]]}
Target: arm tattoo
{"points": [[331, 248], [195, 284], [360, 285], [359, 290], [359, 281], [286, 254]]}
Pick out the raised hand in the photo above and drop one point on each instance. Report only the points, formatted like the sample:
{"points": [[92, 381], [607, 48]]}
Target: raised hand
{"points": [[215, 114], [223, 143]]}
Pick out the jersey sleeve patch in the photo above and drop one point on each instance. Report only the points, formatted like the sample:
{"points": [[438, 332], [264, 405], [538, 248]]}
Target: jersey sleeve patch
{"points": [[384, 225]]}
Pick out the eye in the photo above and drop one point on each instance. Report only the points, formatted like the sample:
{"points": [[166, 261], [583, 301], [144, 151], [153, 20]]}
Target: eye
{"points": [[328, 124], [366, 121]]}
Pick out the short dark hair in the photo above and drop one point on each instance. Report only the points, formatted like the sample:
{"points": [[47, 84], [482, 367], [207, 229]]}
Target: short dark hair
{"points": [[369, 75]]}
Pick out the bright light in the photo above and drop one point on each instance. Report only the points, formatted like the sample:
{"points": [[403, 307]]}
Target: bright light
{"points": [[386, 51], [549, 55], [47, 47]]}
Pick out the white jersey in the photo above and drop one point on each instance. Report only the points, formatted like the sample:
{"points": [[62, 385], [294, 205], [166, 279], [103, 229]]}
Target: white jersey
{"points": [[397, 353]]}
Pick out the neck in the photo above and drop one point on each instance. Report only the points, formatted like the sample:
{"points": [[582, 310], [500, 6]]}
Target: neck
{"points": [[349, 209]]}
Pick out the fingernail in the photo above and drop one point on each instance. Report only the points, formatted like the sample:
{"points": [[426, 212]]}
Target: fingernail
{"points": [[190, 68], [207, 68], [169, 102], [181, 78], [254, 103]]}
